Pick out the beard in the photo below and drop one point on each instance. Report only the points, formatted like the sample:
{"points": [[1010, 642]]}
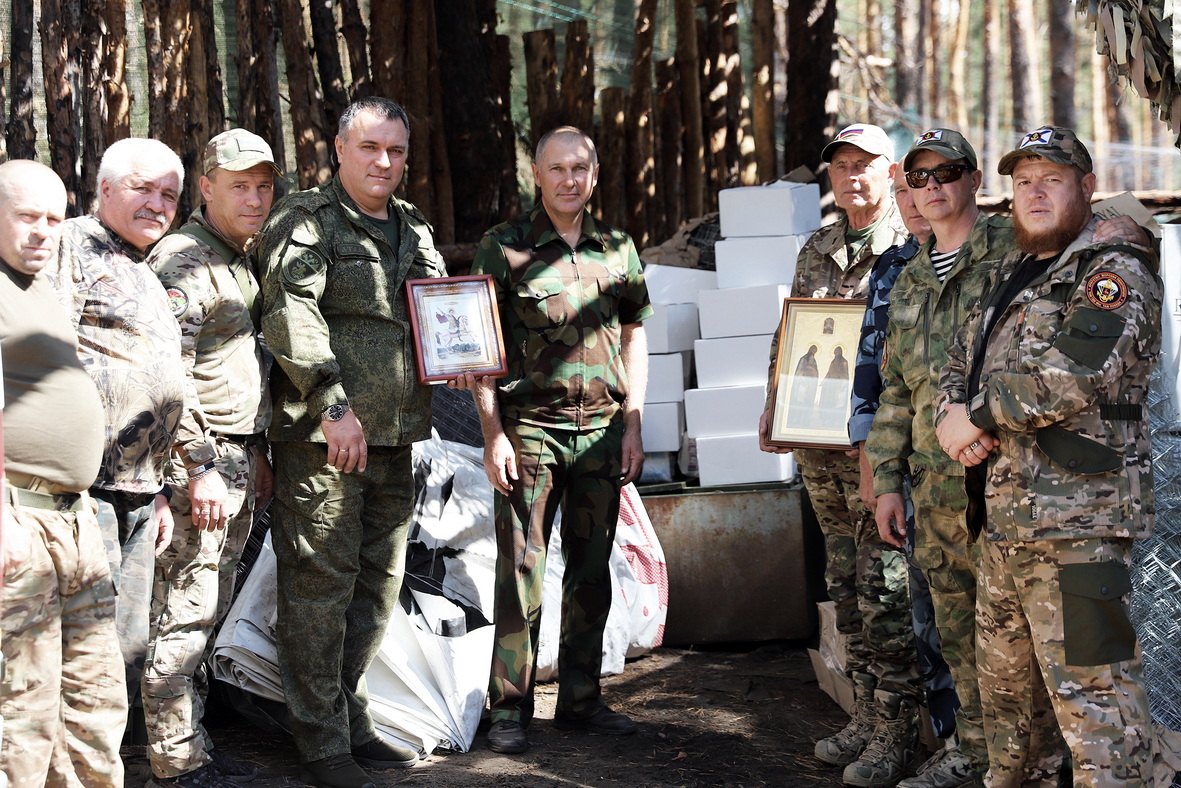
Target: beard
{"points": [[1054, 239]]}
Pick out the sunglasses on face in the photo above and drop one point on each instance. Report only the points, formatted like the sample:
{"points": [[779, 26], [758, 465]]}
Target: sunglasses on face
{"points": [[944, 173]]}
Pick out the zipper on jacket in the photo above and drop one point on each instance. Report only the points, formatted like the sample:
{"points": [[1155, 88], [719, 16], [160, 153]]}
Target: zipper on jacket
{"points": [[927, 330]]}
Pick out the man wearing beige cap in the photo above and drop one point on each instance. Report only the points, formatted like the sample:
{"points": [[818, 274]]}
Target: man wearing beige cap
{"points": [[866, 576], [219, 458]]}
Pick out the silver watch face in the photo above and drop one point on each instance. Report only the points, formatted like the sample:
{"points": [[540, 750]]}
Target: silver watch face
{"points": [[335, 412]]}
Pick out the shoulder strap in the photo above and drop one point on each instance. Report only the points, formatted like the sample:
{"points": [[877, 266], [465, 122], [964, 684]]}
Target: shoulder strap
{"points": [[239, 266]]}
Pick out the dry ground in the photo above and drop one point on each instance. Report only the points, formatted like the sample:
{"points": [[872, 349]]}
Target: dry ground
{"points": [[730, 719]]}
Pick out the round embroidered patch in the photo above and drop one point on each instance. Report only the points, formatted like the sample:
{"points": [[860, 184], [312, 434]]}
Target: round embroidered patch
{"points": [[1106, 290], [178, 301]]}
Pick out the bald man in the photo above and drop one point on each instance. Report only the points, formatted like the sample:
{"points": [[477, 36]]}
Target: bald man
{"points": [[64, 698]]}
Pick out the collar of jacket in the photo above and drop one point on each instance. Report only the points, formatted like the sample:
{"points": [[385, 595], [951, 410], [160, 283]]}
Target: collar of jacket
{"points": [[543, 232], [114, 239], [830, 240]]}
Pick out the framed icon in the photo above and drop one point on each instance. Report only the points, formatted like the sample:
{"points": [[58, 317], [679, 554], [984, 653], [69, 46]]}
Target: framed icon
{"points": [[813, 377], [456, 327]]}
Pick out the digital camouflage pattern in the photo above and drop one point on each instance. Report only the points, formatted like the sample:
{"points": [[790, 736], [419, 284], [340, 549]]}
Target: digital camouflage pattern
{"points": [[193, 587], [1068, 465], [226, 378], [130, 344], [63, 698], [225, 393], [562, 311], [581, 470], [339, 572], [345, 338]]}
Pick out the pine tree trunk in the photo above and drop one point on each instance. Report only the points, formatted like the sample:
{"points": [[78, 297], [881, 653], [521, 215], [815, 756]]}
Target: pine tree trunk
{"points": [[1062, 65], [94, 99], [258, 77], [576, 96], [114, 69], [444, 197], [21, 132], [907, 57], [307, 114], [811, 87], [510, 195], [737, 122], [60, 24], [355, 34], [610, 195], [990, 103], [763, 91], [387, 46], [327, 52], [670, 171], [413, 94], [640, 140], [957, 90], [541, 82], [1027, 94], [691, 112]]}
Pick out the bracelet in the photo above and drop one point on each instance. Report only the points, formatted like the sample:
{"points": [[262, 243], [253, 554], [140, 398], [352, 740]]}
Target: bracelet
{"points": [[200, 470], [968, 410], [201, 475]]}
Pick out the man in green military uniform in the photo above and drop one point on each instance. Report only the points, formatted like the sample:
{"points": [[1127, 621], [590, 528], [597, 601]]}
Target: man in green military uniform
{"points": [[219, 460], [562, 428], [866, 576], [1044, 392], [348, 407]]}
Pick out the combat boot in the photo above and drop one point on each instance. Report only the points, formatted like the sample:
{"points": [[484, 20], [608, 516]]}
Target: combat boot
{"points": [[893, 749], [844, 746], [948, 768]]}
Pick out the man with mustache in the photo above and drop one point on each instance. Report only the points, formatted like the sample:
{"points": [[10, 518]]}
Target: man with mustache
{"points": [[1044, 393], [130, 344], [219, 459]]}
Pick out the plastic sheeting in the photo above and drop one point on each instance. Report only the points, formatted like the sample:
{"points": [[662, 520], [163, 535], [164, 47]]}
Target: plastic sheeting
{"points": [[428, 686]]}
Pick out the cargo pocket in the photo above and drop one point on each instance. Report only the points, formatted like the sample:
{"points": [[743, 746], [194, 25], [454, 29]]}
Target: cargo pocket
{"points": [[1096, 629], [1072, 452], [1089, 336]]}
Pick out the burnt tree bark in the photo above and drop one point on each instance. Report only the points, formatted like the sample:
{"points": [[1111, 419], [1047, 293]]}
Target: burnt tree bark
{"points": [[472, 112], [327, 52], [60, 24], [670, 169], [510, 196], [21, 132], [576, 96], [811, 87], [611, 141], [541, 82], [444, 203], [414, 96], [307, 115], [1062, 65], [640, 142], [354, 32], [762, 103], [690, 79]]}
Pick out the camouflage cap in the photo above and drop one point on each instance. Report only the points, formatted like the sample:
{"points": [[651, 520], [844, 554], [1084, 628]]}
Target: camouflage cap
{"points": [[870, 138], [948, 143], [1058, 144], [237, 150]]}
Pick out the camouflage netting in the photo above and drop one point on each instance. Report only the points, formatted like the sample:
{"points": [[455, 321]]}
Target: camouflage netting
{"points": [[1143, 40]]}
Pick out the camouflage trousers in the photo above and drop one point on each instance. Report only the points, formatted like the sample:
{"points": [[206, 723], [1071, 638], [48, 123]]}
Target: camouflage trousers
{"points": [[580, 472], [193, 588], [1054, 632], [867, 578], [340, 549], [130, 538], [62, 697], [949, 559]]}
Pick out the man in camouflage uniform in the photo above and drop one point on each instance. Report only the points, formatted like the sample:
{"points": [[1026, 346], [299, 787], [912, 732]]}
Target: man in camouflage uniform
{"points": [[348, 406], [562, 428], [130, 345], [63, 699], [928, 305], [219, 461], [1044, 391], [866, 577]]}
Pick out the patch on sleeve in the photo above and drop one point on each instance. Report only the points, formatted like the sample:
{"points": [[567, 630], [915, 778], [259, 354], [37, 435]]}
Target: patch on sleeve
{"points": [[178, 301], [303, 267], [1106, 290]]}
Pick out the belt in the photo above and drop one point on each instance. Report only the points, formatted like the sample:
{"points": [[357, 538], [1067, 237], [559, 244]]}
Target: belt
{"points": [[62, 502], [1120, 411], [254, 439]]}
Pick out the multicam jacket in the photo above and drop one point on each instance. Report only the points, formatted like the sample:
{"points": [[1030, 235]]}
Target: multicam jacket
{"points": [[562, 311], [335, 315], [130, 344], [226, 389], [924, 318], [1063, 381]]}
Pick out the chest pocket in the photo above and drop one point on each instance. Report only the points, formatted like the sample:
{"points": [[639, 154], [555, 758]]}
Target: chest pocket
{"points": [[542, 302], [1089, 336], [905, 316]]}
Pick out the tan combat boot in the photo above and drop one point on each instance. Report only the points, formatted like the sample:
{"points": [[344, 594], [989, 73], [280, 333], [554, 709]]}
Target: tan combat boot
{"points": [[893, 749], [844, 746]]}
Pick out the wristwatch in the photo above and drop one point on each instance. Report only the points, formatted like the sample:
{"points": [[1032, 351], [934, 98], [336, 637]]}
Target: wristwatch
{"points": [[334, 412]]}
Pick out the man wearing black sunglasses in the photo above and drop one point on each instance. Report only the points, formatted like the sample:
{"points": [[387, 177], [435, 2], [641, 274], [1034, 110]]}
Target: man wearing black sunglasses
{"points": [[866, 577], [929, 302]]}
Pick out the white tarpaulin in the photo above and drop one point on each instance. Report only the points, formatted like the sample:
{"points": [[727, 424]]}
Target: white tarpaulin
{"points": [[428, 685]]}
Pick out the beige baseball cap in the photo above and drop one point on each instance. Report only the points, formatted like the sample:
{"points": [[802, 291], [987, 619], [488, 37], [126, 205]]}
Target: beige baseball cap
{"points": [[1056, 143], [868, 137], [237, 150]]}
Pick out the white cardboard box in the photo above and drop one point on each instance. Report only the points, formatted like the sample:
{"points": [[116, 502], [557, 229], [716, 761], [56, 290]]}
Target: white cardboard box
{"points": [[737, 459], [765, 260], [670, 284], [672, 328], [668, 374], [732, 361], [726, 411], [663, 425], [742, 311], [781, 208]]}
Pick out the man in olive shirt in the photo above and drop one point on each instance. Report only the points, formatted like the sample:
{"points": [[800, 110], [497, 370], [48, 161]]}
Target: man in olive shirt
{"points": [[347, 407], [64, 701]]}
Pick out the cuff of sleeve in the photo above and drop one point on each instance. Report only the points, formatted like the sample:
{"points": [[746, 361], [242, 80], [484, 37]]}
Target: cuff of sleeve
{"points": [[198, 452], [859, 427], [320, 399], [887, 479], [979, 414]]}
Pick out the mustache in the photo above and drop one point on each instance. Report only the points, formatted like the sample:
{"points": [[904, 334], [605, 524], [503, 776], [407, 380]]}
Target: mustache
{"points": [[148, 213]]}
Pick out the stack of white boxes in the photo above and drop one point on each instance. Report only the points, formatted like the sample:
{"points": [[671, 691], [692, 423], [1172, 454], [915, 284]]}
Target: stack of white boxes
{"points": [[671, 332], [763, 229]]}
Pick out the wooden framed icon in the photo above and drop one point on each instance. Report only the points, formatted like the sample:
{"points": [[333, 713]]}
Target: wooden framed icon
{"points": [[813, 377], [456, 326]]}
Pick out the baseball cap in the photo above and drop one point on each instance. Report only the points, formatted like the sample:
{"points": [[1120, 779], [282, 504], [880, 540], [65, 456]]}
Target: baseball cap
{"points": [[237, 150], [1058, 144], [866, 136], [948, 143]]}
